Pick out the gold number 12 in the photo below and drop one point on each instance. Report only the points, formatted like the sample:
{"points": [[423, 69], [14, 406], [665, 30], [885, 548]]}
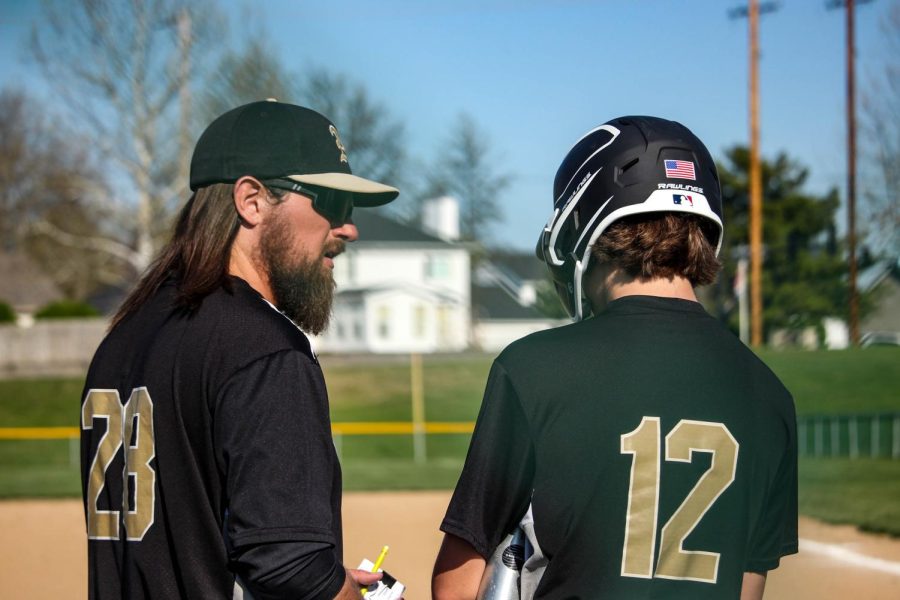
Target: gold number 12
{"points": [[682, 441]]}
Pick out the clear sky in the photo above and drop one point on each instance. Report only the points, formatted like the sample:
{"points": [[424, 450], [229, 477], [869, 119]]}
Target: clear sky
{"points": [[536, 74]]}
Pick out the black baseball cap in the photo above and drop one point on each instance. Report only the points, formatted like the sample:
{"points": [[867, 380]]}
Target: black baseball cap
{"points": [[271, 140]]}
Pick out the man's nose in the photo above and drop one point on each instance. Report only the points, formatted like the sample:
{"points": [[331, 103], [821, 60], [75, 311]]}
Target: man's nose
{"points": [[347, 231]]}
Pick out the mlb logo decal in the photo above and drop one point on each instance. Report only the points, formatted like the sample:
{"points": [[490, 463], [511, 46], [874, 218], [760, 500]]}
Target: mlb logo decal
{"points": [[679, 169], [682, 199]]}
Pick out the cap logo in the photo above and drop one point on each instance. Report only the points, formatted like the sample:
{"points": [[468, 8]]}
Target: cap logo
{"points": [[338, 142]]}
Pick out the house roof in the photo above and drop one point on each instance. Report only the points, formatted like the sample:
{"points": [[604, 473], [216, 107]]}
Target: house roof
{"points": [[23, 284], [491, 302], [404, 289], [873, 275], [375, 227], [522, 265]]}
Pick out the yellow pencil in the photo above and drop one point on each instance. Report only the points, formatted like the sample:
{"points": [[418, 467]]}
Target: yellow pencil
{"points": [[379, 560], [376, 566]]}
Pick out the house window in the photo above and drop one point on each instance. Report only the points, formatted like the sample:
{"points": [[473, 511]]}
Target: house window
{"points": [[419, 321], [384, 322], [340, 330], [357, 330], [437, 267], [443, 319]]}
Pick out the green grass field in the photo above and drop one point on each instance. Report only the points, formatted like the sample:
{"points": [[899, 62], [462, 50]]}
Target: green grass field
{"points": [[865, 492], [862, 492]]}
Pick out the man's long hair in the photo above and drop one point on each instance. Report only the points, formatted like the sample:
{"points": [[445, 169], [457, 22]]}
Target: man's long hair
{"points": [[197, 255]]}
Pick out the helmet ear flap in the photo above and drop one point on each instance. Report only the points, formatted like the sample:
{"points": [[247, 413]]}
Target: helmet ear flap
{"points": [[580, 304]]}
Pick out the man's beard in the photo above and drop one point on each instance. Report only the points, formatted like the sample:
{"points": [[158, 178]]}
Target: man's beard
{"points": [[303, 288]]}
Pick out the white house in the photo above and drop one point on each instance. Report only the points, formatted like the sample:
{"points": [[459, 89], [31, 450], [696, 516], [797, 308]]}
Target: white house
{"points": [[882, 324], [504, 292], [399, 290]]}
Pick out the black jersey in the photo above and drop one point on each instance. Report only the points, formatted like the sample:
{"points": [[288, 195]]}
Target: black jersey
{"points": [[658, 455], [203, 432]]}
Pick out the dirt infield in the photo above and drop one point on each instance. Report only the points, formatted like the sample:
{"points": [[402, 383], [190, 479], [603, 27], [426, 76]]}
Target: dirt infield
{"points": [[42, 552]]}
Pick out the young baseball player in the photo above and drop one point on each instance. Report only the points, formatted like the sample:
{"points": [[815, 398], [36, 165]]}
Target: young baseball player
{"points": [[207, 459], [646, 452]]}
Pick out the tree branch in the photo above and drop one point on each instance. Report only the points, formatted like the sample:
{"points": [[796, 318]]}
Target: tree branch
{"points": [[100, 244]]}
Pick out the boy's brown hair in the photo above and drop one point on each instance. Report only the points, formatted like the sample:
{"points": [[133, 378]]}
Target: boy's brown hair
{"points": [[660, 245]]}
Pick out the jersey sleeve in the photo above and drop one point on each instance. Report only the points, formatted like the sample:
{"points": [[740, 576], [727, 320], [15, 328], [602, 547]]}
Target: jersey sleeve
{"points": [[776, 531], [272, 437], [298, 570], [495, 486]]}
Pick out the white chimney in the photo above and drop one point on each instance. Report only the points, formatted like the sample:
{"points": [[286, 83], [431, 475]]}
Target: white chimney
{"points": [[440, 216]]}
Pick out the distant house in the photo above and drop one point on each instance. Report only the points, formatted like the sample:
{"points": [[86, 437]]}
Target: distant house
{"points": [[504, 293], [500, 320], [399, 290], [519, 273], [405, 289], [882, 325]]}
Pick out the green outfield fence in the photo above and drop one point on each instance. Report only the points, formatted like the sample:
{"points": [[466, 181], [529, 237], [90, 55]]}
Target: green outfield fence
{"points": [[865, 435]]}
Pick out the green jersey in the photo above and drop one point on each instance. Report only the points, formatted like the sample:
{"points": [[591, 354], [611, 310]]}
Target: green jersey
{"points": [[657, 453]]}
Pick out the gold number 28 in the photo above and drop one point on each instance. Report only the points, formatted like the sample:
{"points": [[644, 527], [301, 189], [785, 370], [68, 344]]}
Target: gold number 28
{"points": [[682, 441], [139, 449]]}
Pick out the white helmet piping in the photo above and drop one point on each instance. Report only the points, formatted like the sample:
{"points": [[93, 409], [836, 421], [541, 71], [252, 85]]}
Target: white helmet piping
{"points": [[615, 133]]}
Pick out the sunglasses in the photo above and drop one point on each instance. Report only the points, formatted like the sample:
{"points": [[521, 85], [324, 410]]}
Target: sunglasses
{"points": [[334, 205]]}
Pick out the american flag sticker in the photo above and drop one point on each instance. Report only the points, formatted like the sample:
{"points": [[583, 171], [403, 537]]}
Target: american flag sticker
{"points": [[679, 169]]}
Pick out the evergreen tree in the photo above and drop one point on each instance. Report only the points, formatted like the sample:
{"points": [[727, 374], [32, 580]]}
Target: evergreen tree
{"points": [[804, 267]]}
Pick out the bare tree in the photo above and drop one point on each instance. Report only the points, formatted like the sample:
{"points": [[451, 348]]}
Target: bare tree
{"points": [[375, 141], [466, 170], [45, 171], [122, 70], [881, 125], [247, 75], [22, 146]]}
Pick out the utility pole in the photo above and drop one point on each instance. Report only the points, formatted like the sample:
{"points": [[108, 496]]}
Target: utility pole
{"points": [[752, 12], [755, 185], [850, 5], [851, 173]]}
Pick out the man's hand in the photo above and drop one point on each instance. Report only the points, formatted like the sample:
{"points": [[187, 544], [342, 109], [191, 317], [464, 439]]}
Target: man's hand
{"points": [[363, 578], [355, 581]]}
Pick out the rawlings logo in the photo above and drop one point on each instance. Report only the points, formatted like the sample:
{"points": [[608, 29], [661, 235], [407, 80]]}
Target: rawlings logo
{"points": [[679, 186], [577, 188]]}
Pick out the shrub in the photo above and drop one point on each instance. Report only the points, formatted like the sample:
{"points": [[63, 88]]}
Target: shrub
{"points": [[7, 314], [64, 309]]}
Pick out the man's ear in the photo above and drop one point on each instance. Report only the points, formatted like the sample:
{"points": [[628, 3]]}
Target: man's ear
{"points": [[250, 200]]}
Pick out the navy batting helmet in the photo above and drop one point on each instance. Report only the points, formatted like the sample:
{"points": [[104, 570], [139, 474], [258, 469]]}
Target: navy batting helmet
{"points": [[628, 166]]}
